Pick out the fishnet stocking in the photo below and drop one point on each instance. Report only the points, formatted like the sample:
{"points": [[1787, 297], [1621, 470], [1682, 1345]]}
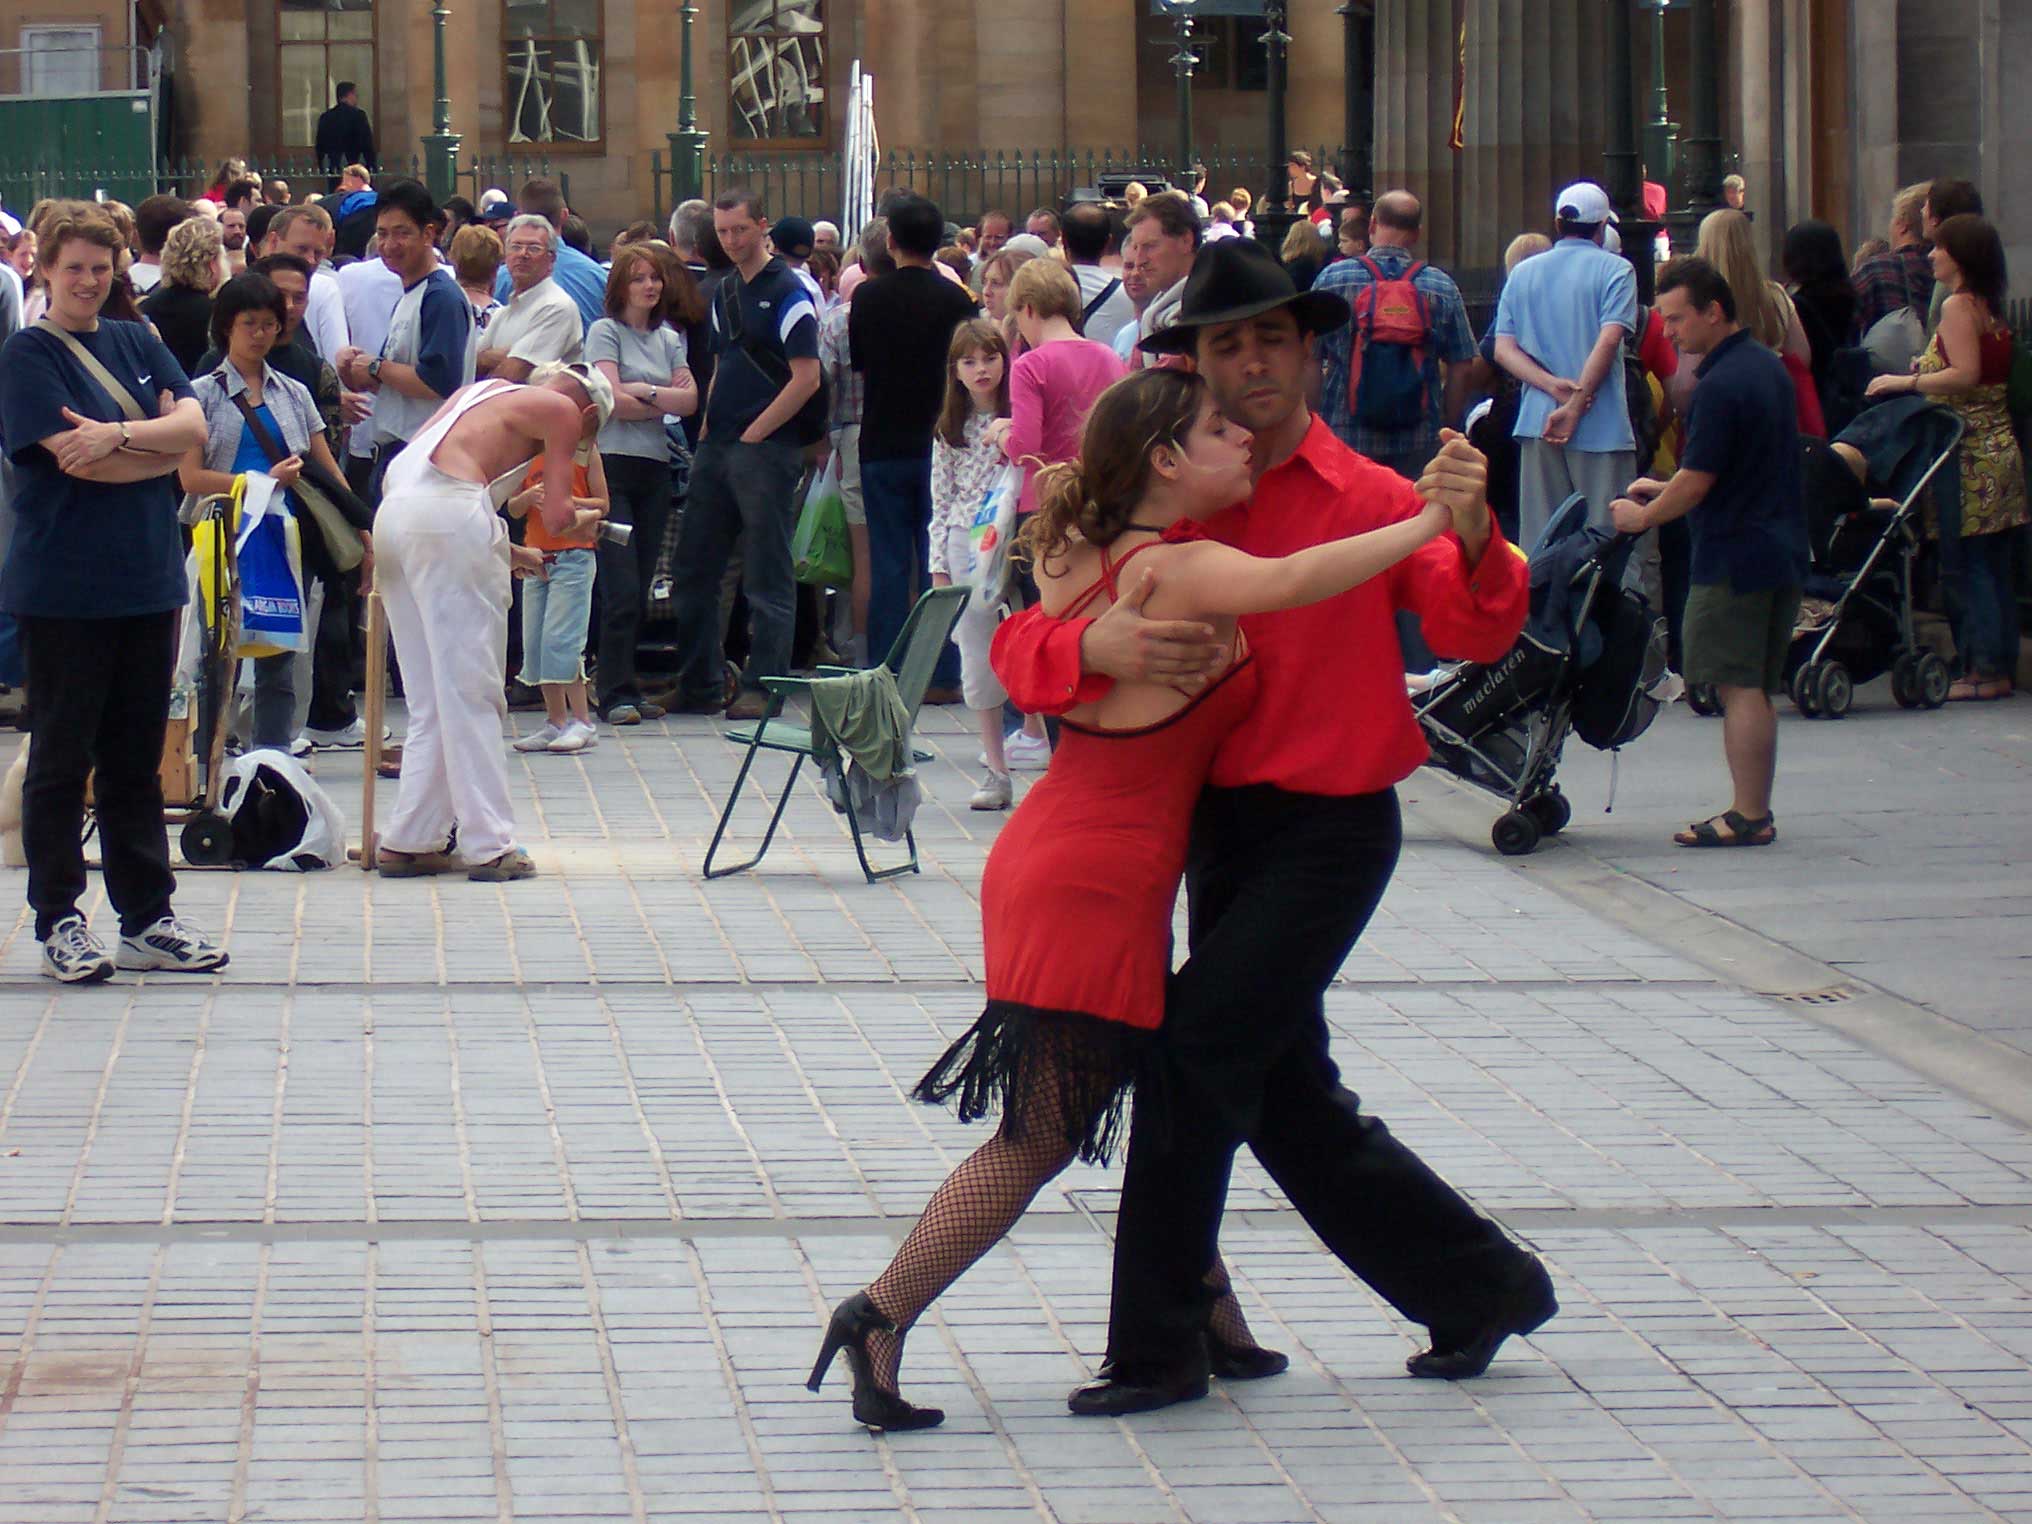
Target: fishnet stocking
{"points": [[969, 1214]]}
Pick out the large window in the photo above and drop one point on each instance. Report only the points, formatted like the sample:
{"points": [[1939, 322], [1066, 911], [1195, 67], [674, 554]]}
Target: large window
{"points": [[555, 53], [323, 42], [61, 60], [776, 71]]}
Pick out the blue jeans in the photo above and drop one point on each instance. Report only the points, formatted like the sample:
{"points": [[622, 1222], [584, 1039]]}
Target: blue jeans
{"points": [[1982, 609], [556, 611], [746, 492], [897, 494]]}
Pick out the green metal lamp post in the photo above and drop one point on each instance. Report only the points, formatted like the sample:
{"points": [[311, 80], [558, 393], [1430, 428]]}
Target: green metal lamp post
{"points": [[441, 146], [1358, 132], [1660, 131], [688, 143], [1702, 145], [1274, 218], [1183, 61]]}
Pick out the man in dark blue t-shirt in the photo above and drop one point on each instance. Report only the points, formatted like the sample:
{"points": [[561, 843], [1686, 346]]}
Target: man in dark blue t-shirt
{"points": [[745, 474], [1740, 478]]}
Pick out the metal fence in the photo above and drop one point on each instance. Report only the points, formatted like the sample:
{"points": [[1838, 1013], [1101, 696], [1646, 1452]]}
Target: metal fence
{"points": [[27, 180], [964, 183]]}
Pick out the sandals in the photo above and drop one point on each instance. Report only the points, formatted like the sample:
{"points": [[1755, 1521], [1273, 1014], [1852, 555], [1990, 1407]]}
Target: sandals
{"points": [[1743, 832], [1980, 690]]}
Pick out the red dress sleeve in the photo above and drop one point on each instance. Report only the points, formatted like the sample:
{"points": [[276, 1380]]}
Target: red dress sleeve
{"points": [[1468, 612], [1037, 660]]}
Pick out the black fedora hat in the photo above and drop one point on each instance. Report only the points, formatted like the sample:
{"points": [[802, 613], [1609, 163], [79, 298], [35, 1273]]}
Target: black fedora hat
{"points": [[1232, 280]]}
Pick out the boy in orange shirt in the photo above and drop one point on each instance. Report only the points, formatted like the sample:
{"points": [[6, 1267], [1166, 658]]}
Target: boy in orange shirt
{"points": [[557, 607]]}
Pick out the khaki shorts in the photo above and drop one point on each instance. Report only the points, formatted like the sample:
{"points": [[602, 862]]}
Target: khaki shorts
{"points": [[848, 442], [1739, 640]]}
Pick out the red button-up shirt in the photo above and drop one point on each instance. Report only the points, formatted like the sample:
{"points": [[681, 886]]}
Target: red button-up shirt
{"points": [[1331, 713]]}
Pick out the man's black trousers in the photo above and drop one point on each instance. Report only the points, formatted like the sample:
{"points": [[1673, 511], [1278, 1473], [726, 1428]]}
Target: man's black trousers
{"points": [[1280, 887], [98, 697]]}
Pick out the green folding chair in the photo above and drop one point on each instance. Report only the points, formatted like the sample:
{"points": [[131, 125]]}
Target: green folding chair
{"points": [[911, 658]]}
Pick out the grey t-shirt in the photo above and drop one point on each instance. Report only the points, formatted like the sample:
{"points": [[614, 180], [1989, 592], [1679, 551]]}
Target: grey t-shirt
{"points": [[639, 356]]}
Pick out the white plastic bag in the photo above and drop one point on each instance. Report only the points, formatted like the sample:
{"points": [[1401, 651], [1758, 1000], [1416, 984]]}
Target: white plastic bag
{"points": [[993, 529], [322, 842]]}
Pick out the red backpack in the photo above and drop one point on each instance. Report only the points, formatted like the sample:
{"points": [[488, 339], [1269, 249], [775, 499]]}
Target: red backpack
{"points": [[1388, 350]]}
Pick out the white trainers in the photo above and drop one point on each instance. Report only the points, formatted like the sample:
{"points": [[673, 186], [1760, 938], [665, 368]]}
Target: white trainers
{"points": [[576, 736], [302, 747], [352, 738], [172, 946], [72, 955], [1023, 752], [995, 793], [538, 740]]}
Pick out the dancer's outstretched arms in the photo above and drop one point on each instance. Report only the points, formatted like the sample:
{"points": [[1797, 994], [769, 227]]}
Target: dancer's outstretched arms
{"points": [[1214, 579]]}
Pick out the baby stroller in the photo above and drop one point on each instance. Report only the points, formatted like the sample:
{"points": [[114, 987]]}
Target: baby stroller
{"points": [[1589, 661], [1856, 621]]}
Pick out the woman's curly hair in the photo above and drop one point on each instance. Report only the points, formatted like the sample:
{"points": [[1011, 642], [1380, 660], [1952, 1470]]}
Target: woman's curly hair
{"points": [[1092, 499], [190, 255]]}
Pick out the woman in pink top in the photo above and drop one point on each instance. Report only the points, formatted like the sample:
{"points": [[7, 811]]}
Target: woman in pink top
{"points": [[1053, 384]]}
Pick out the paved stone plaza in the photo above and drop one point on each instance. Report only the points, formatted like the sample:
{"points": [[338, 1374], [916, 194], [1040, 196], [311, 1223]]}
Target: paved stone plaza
{"points": [[463, 1202]]}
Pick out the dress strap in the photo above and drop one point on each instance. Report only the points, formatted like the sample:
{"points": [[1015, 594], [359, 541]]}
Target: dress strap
{"points": [[1110, 570]]}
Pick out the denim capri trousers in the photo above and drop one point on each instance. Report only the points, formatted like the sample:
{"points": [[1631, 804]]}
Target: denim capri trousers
{"points": [[555, 614]]}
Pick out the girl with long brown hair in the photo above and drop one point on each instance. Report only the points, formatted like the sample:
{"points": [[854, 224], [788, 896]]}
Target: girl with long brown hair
{"points": [[1078, 893]]}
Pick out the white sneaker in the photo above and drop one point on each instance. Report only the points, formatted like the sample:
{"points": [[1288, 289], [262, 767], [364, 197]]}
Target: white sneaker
{"points": [[995, 793], [575, 736], [72, 955], [1027, 753], [352, 738], [538, 740], [171, 945], [302, 747]]}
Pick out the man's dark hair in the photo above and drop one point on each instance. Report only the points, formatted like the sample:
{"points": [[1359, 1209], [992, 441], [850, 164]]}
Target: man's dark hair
{"points": [[1399, 211], [1085, 230], [345, 88], [1047, 214], [916, 226], [245, 293], [260, 220], [461, 208], [410, 198], [740, 199], [269, 264], [1953, 198], [243, 193], [541, 198], [1172, 212], [1586, 230], [1701, 281], [155, 217], [577, 235], [995, 211]]}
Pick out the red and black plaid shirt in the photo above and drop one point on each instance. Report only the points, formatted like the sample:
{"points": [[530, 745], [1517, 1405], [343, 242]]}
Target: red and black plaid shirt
{"points": [[1886, 282]]}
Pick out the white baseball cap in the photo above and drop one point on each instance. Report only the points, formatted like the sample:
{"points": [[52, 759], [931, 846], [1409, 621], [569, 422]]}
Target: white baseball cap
{"points": [[1584, 202]]}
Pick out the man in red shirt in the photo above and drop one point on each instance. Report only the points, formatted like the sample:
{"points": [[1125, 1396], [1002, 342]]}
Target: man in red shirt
{"points": [[1293, 845]]}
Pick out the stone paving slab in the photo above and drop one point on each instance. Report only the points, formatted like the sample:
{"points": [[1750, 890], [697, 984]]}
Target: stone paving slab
{"points": [[461, 1202]]}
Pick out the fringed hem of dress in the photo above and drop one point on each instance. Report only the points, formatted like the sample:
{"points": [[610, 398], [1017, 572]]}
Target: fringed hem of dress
{"points": [[1013, 1050]]}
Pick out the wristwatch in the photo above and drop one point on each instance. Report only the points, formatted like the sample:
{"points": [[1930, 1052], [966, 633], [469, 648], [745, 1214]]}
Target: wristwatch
{"points": [[374, 369], [125, 438]]}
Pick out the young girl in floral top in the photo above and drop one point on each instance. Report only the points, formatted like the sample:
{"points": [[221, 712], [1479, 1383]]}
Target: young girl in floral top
{"points": [[965, 460]]}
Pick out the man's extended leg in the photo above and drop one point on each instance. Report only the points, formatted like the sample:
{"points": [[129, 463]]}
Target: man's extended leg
{"points": [[712, 521], [764, 479]]}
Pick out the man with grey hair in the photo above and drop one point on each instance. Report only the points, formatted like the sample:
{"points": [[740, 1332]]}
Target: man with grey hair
{"points": [[541, 324], [825, 235], [689, 223]]}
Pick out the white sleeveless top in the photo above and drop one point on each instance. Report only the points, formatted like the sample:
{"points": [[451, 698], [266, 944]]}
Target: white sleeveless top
{"points": [[414, 467]]}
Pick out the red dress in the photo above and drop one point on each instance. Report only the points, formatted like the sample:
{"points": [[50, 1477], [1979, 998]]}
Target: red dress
{"points": [[1076, 906]]}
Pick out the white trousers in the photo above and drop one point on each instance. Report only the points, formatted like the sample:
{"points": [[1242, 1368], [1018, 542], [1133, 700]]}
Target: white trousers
{"points": [[441, 565]]}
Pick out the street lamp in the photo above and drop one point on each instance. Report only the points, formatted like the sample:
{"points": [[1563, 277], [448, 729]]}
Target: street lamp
{"points": [[1660, 151], [441, 145], [1183, 61], [1276, 216], [688, 143], [1702, 145]]}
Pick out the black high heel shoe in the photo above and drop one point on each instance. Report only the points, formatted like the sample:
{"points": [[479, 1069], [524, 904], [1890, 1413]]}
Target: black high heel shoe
{"points": [[1243, 1362], [852, 1322]]}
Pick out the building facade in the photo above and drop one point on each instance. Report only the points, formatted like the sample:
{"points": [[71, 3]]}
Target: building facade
{"points": [[1484, 107]]}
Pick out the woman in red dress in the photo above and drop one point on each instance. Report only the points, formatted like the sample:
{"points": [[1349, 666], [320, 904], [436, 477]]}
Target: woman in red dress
{"points": [[1078, 892]]}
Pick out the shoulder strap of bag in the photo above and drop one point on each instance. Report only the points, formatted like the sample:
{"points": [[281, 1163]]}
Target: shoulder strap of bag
{"points": [[110, 384], [1100, 301], [773, 367], [269, 445]]}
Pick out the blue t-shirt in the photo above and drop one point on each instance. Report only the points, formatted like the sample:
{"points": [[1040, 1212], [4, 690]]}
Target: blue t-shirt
{"points": [[1555, 306], [86, 550], [1750, 530], [779, 319], [444, 323], [582, 278]]}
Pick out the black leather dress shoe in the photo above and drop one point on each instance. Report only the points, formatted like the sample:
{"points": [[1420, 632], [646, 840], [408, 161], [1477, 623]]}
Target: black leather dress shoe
{"points": [[1529, 1305], [1113, 1394], [1243, 1362]]}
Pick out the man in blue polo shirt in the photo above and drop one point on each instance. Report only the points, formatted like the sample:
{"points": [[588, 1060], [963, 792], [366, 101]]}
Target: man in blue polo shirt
{"points": [[744, 476], [1560, 328], [1739, 478]]}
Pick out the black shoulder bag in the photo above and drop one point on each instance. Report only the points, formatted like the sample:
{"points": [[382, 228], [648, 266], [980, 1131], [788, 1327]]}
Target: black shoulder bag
{"points": [[808, 423]]}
